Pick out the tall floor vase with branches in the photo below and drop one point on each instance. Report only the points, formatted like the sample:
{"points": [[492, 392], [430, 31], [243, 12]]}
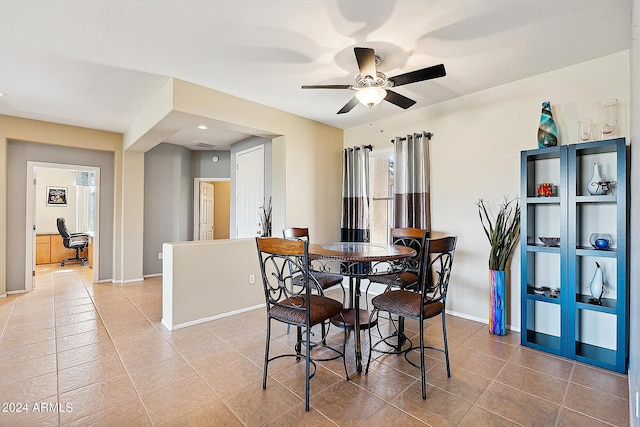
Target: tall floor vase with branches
{"points": [[503, 234]]}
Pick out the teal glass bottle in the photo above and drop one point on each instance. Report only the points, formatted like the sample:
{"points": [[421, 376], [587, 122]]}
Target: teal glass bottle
{"points": [[547, 130]]}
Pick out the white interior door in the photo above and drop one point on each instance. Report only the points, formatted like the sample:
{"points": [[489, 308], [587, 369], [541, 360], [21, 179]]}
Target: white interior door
{"points": [[249, 191], [206, 211]]}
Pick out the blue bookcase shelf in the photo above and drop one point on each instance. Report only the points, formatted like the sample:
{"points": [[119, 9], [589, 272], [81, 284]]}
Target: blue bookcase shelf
{"points": [[564, 322]]}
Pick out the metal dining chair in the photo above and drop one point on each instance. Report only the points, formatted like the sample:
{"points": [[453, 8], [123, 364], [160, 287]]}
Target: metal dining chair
{"points": [[280, 261], [412, 238], [409, 269], [321, 279], [428, 302], [325, 280]]}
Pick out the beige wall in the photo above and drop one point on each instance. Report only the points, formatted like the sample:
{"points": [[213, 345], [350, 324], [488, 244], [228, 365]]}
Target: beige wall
{"points": [[208, 279], [475, 153], [46, 216], [306, 163], [132, 228], [17, 129]]}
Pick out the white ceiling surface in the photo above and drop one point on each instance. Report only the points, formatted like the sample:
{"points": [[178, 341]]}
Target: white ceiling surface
{"points": [[96, 64]]}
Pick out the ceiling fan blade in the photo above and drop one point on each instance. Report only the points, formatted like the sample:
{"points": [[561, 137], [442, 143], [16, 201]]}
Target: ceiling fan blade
{"points": [[366, 61], [327, 87], [399, 100], [349, 105], [419, 75]]}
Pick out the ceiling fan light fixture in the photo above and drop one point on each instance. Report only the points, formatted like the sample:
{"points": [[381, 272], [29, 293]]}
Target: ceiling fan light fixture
{"points": [[371, 95]]}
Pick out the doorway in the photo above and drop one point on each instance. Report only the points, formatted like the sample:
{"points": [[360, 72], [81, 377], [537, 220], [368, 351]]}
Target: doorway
{"points": [[219, 211], [77, 190]]}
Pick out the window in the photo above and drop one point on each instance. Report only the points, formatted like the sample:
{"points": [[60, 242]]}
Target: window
{"points": [[381, 185]]}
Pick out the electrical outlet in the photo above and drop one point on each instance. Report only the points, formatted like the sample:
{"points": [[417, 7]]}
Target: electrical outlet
{"points": [[159, 255], [252, 279]]}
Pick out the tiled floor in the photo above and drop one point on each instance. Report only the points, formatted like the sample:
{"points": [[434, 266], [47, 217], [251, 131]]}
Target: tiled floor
{"points": [[98, 355]]}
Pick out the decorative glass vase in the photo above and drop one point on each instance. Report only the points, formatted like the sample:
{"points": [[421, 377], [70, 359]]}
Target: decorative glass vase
{"points": [[547, 130], [608, 118], [601, 240], [595, 187], [498, 313]]}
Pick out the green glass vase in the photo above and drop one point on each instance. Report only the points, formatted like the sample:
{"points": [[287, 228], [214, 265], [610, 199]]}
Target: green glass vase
{"points": [[547, 130]]}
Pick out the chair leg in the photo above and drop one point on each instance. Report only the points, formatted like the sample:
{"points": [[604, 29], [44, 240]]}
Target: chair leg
{"points": [[307, 362], [344, 349], [299, 342], [324, 335], [422, 367], [446, 345], [266, 355], [373, 312], [401, 336]]}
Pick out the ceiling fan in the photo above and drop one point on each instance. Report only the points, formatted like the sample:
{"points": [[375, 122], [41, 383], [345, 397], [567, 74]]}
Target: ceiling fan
{"points": [[372, 86]]}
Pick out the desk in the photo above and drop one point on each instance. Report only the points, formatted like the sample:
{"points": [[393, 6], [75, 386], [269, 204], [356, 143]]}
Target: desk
{"points": [[352, 255]]}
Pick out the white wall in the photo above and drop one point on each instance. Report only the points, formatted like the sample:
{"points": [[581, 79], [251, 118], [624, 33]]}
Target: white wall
{"points": [[475, 153], [46, 216]]}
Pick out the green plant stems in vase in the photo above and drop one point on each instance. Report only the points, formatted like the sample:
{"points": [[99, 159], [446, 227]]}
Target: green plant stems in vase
{"points": [[547, 130], [503, 234]]}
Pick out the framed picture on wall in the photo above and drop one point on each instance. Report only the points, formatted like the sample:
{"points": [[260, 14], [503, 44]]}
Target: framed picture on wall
{"points": [[56, 196]]}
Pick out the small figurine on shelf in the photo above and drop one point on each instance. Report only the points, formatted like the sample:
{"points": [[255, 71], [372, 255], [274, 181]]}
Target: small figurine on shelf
{"points": [[596, 286], [545, 190]]}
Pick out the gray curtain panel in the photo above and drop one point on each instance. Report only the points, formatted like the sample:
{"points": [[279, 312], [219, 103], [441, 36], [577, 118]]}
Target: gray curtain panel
{"points": [[412, 206], [355, 195]]}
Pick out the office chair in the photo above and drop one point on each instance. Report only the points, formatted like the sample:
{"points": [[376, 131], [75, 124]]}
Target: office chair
{"points": [[77, 241]]}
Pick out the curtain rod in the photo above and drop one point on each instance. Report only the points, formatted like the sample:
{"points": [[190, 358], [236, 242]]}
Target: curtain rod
{"points": [[370, 147], [424, 133]]}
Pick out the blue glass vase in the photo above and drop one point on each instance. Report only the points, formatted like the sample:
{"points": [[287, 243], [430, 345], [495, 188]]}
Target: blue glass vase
{"points": [[547, 130]]}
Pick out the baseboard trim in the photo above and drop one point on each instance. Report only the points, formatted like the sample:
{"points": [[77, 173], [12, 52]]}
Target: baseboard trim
{"points": [[478, 319], [152, 275], [124, 282], [210, 318]]}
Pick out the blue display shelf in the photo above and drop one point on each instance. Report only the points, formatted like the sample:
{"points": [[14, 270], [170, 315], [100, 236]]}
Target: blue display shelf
{"points": [[568, 167]]}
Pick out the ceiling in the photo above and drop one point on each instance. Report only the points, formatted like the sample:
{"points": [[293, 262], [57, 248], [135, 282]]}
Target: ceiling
{"points": [[97, 64]]}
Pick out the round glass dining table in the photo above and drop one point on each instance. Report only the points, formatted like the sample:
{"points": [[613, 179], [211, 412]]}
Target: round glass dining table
{"points": [[355, 260]]}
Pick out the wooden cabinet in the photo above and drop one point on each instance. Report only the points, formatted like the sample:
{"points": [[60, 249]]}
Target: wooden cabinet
{"points": [[43, 249], [50, 249], [557, 316]]}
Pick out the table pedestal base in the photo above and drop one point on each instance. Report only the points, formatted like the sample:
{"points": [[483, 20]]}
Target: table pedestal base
{"points": [[349, 319], [355, 323]]}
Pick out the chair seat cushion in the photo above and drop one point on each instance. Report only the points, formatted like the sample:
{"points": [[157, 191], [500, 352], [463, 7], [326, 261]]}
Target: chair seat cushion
{"points": [[406, 303], [322, 308], [403, 280], [325, 280]]}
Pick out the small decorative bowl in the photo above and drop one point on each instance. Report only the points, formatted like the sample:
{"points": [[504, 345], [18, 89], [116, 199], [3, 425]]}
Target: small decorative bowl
{"points": [[550, 241], [601, 240]]}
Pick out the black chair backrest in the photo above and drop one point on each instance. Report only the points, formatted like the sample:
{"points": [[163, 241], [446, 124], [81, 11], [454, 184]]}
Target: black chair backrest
{"points": [[62, 228], [280, 261], [436, 268], [414, 239]]}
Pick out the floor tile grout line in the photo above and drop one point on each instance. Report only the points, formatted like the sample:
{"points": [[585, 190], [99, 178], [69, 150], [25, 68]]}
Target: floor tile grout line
{"points": [[55, 338], [113, 343], [493, 381], [179, 354], [476, 333]]}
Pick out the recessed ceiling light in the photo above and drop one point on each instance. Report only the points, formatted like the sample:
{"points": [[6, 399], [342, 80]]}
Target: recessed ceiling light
{"points": [[203, 127]]}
